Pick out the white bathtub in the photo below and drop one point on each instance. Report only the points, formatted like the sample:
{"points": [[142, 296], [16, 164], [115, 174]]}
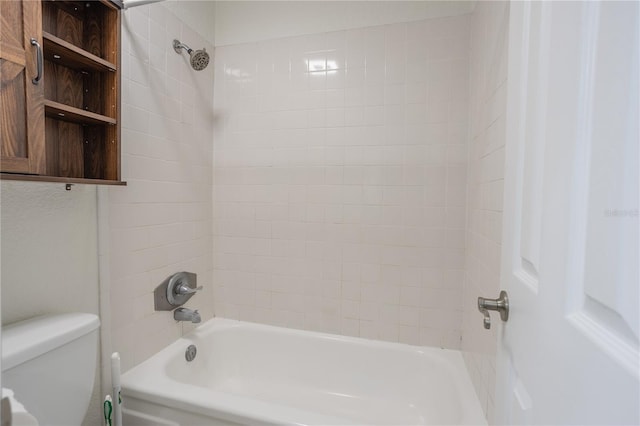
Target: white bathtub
{"points": [[248, 373]]}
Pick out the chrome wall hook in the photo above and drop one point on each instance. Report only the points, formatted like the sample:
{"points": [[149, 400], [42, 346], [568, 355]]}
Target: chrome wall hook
{"points": [[500, 304]]}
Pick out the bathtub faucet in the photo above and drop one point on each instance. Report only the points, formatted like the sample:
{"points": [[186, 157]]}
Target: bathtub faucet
{"points": [[184, 314]]}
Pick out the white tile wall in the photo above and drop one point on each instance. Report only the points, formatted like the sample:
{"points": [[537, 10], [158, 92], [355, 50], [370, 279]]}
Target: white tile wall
{"points": [[488, 66], [340, 181], [160, 223]]}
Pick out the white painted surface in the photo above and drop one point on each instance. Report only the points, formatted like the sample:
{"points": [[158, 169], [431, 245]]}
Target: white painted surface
{"points": [[340, 181], [249, 373], [571, 217], [49, 240], [251, 21]]}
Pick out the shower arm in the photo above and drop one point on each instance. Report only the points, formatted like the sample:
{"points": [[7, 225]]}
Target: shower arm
{"points": [[177, 45]]}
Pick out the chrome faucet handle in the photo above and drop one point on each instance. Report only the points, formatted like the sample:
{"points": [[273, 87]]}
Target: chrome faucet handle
{"points": [[500, 304], [185, 289], [175, 291]]}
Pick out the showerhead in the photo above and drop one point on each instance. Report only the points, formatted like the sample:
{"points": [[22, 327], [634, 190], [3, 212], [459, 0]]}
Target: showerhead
{"points": [[199, 58]]}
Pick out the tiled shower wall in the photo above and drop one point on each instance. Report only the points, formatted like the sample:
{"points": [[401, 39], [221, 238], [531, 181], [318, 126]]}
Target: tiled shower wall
{"points": [[488, 77], [160, 223], [340, 181]]}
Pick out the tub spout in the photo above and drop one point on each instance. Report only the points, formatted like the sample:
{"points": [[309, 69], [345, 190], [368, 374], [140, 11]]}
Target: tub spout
{"points": [[184, 314]]}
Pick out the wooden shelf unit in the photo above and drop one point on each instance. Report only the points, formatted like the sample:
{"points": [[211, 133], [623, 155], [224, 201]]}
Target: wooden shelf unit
{"points": [[55, 179], [77, 99]]}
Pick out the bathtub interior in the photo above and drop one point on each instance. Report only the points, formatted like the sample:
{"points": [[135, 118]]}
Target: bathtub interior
{"points": [[366, 383], [251, 373]]}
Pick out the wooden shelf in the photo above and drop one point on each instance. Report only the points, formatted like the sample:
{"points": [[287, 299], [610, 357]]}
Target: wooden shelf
{"points": [[67, 128], [56, 179], [73, 56], [75, 115]]}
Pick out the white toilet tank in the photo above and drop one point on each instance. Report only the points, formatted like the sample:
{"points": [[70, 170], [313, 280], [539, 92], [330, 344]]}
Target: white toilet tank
{"points": [[50, 362]]}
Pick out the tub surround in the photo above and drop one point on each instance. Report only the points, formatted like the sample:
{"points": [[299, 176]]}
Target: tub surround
{"points": [[340, 181], [488, 76], [160, 223]]}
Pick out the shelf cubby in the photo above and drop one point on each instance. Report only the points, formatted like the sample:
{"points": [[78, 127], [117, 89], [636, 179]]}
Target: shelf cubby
{"points": [[64, 112], [58, 50]]}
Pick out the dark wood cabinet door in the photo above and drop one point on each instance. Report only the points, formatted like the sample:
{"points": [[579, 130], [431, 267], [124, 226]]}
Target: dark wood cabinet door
{"points": [[22, 142]]}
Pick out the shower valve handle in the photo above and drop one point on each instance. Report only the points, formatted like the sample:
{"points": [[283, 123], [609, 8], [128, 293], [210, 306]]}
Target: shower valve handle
{"points": [[500, 304], [185, 289]]}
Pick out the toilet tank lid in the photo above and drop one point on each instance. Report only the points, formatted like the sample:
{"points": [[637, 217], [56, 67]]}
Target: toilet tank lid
{"points": [[31, 338]]}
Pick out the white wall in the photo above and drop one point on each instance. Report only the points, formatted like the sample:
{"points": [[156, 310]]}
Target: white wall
{"points": [[160, 223], [252, 21], [49, 254], [489, 40], [340, 181], [49, 243]]}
